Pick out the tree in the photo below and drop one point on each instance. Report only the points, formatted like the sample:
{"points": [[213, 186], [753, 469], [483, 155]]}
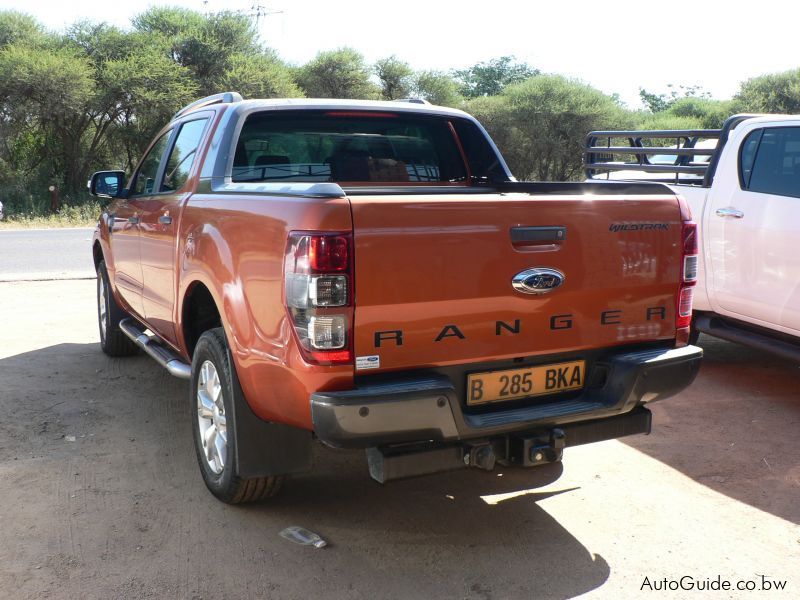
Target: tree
{"points": [[208, 45], [78, 88], [396, 78], [489, 78], [260, 75], [437, 88], [710, 114], [19, 28], [540, 124], [773, 93], [340, 73], [660, 102]]}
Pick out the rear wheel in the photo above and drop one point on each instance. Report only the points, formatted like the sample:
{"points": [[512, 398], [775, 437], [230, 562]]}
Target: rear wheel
{"points": [[109, 314], [212, 399]]}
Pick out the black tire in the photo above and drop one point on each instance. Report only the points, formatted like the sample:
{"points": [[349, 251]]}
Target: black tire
{"points": [[112, 340], [226, 485]]}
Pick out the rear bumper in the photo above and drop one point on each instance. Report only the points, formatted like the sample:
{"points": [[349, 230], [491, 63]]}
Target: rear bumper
{"points": [[420, 408]]}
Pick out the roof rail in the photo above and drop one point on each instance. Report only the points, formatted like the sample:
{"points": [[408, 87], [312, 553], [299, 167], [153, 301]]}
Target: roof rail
{"points": [[224, 97], [680, 158], [412, 100]]}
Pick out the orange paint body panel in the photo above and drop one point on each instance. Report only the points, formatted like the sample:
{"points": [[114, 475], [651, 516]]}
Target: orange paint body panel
{"points": [[440, 268], [237, 252]]}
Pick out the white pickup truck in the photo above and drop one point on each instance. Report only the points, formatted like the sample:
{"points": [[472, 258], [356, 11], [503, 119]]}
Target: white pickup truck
{"points": [[742, 183]]}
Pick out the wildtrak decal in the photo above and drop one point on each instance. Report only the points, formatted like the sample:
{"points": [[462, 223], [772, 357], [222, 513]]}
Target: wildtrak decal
{"points": [[614, 227]]}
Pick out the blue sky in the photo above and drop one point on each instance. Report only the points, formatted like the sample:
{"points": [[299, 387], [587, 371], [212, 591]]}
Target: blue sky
{"points": [[616, 46]]}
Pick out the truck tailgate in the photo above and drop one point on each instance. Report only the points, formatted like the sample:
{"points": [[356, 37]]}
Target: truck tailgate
{"points": [[433, 275]]}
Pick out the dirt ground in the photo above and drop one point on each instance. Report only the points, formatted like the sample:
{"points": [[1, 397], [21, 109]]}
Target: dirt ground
{"points": [[101, 495]]}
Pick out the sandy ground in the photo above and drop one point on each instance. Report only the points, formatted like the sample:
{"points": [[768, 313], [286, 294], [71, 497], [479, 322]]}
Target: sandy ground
{"points": [[121, 511]]}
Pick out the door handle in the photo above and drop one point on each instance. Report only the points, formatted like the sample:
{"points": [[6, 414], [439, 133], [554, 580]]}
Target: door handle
{"points": [[134, 219], [537, 238], [730, 212], [165, 220]]}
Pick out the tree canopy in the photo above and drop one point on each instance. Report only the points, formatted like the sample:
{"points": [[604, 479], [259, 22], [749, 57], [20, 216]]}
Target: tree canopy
{"points": [[94, 95], [540, 124], [489, 78], [341, 73]]}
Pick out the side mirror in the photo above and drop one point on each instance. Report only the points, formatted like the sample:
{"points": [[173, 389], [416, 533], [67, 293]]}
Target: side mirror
{"points": [[107, 184]]}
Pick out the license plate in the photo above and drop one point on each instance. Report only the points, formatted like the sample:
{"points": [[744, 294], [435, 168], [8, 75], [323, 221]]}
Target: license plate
{"points": [[512, 384]]}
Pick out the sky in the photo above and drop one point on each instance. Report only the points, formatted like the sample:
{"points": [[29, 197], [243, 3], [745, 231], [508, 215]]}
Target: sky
{"points": [[616, 46]]}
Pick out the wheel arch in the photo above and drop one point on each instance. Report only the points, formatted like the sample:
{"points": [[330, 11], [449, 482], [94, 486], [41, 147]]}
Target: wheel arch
{"points": [[97, 254], [199, 313]]}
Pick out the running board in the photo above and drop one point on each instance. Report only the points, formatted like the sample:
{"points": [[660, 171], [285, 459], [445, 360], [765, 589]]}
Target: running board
{"points": [[150, 344], [727, 330]]}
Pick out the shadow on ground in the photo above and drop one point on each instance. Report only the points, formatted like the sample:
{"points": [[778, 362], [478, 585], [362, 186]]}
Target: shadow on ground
{"points": [[96, 457], [736, 428]]}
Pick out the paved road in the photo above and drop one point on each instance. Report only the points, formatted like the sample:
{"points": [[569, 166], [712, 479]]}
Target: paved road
{"points": [[27, 254], [102, 497]]}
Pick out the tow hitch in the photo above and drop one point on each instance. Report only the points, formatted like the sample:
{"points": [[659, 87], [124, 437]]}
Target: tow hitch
{"points": [[528, 449], [537, 450]]}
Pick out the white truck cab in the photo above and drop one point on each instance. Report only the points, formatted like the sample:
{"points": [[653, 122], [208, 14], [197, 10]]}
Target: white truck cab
{"points": [[742, 183]]}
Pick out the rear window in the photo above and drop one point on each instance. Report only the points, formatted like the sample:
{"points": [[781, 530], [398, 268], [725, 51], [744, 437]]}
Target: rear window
{"points": [[347, 146]]}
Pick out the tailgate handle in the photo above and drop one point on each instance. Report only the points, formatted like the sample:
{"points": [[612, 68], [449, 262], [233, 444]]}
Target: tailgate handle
{"points": [[537, 236]]}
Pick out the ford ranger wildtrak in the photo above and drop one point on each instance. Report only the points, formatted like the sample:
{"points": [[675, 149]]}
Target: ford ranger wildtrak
{"points": [[370, 274]]}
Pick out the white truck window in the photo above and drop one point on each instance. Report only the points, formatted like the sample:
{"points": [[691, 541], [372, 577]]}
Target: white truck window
{"points": [[776, 169]]}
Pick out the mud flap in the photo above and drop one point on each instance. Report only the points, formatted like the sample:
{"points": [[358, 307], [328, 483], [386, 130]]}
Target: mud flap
{"points": [[264, 448]]}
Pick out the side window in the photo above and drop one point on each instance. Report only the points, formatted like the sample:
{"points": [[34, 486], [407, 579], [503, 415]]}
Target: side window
{"points": [[483, 161], [146, 177], [747, 156], [776, 169], [182, 155]]}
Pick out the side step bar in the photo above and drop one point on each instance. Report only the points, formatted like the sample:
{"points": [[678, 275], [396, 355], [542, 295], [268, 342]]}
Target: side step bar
{"points": [[161, 354], [727, 330]]}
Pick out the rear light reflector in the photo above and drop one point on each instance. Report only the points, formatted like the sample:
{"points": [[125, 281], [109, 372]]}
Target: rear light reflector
{"points": [[318, 295]]}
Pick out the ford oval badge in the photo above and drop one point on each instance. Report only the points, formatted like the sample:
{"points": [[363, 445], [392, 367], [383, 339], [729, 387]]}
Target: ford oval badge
{"points": [[537, 281]]}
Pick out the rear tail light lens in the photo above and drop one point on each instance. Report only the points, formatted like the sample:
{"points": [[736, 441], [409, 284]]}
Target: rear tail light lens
{"points": [[327, 253], [690, 250], [318, 295], [327, 333], [690, 245], [685, 304], [690, 268], [689, 265]]}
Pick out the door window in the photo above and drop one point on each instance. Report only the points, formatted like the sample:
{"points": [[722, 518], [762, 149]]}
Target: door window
{"points": [[182, 155], [776, 169], [747, 156], [145, 183]]}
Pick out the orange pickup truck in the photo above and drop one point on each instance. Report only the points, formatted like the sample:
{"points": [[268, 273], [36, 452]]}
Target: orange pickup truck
{"points": [[372, 275]]}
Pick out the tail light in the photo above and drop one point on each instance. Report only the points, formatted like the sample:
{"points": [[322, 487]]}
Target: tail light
{"points": [[318, 287], [689, 258]]}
